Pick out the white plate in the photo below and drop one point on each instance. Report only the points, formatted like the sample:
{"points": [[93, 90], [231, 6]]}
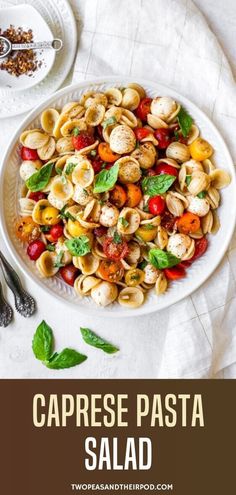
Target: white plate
{"points": [[59, 17], [27, 17], [200, 270]]}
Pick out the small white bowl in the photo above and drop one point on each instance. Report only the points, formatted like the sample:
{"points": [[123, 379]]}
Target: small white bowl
{"points": [[27, 17]]}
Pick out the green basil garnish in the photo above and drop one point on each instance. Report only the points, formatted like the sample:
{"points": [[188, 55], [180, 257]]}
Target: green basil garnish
{"points": [[65, 359], [76, 131], [69, 168], [185, 121], [162, 259], [40, 179], [106, 179], [110, 121], [78, 246], [50, 247], [188, 179], [58, 263], [202, 194], [95, 341], [123, 222], [157, 184]]}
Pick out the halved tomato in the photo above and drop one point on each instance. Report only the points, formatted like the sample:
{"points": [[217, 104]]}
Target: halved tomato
{"points": [[27, 230], [111, 271], [115, 250]]}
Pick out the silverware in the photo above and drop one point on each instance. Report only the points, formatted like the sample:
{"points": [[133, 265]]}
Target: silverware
{"points": [[6, 46], [6, 312], [24, 303]]}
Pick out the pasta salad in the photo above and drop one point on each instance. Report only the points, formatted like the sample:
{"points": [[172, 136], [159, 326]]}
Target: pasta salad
{"points": [[119, 194]]}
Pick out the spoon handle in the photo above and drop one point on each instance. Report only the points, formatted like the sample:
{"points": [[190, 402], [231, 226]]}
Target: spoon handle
{"points": [[24, 303], [56, 44], [6, 312]]}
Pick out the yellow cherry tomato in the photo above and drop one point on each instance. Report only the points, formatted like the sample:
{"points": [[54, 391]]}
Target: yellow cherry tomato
{"points": [[134, 277], [50, 216], [75, 229], [146, 232], [200, 149]]}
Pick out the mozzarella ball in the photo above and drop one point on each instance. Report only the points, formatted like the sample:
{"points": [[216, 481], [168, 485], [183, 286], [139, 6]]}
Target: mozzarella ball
{"points": [[109, 216], [150, 274], [104, 293], [29, 167], [179, 244], [199, 206], [122, 139], [146, 155], [163, 107]]}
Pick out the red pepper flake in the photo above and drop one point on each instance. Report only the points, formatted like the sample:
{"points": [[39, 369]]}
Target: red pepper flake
{"points": [[19, 62]]}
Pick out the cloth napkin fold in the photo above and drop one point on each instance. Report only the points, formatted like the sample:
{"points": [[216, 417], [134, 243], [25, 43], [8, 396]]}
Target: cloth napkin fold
{"points": [[170, 42]]}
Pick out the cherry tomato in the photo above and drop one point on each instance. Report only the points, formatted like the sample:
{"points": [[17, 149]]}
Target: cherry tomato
{"points": [[106, 154], [69, 273], [185, 264], [188, 223], [115, 250], [56, 231], [175, 272], [111, 271], [143, 109], [28, 154], [27, 230], [118, 196], [134, 195], [100, 231], [82, 140], [201, 246], [36, 196], [168, 221], [164, 168], [141, 132], [35, 249], [97, 165], [156, 205], [163, 137]]}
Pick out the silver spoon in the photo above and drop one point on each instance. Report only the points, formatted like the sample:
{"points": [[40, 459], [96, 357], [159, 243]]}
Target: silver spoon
{"points": [[6, 46], [24, 303], [6, 312]]}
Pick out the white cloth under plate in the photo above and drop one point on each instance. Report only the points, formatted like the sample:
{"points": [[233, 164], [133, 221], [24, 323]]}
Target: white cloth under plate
{"points": [[170, 42]]}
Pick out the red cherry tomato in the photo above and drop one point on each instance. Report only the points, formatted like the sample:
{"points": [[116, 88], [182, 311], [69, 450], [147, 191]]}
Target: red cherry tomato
{"points": [[168, 221], [97, 164], [201, 246], [82, 140], [163, 137], [36, 196], [164, 168], [141, 132], [143, 108], [175, 272], [185, 264], [56, 231], [69, 273], [100, 231], [35, 249], [28, 154], [115, 250], [156, 205]]}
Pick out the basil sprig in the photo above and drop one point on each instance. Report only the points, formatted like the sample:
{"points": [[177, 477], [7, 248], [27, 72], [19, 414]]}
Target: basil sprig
{"points": [[78, 246], [106, 179], [162, 259], [95, 341], [40, 179], [185, 121], [42, 346], [157, 184]]}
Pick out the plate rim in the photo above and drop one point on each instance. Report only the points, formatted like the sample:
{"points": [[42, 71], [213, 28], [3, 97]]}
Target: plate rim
{"points": [[101, 312]]}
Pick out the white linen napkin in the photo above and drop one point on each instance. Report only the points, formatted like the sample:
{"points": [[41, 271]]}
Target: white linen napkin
{"points": [[170, 42]]}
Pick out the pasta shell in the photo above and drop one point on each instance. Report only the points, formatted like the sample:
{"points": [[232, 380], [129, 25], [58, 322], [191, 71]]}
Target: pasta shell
{"points": [[73, 109], [199, 182], [94, 114], [93, 210], [62, 188], [129, 169], [85, 224], [130, 99], [169, 161], [134, 253], [88, 264], [113, 111], [58, 125], [114, 96], [97, 250], [47, 151], [216, 223], [60, 247], [197, 235], [26, 206], [48, 119], [38, 209], [219, 178], [36, 139], [173, 114], [96, 98], [178, 151], [193, 166], [29, 168], [174, 205], [85, 97], [208, 166], [132, 217], [131, 297], [163, 107], [60, 162], [145, 155], [182, 178], [83, 174], [84, 284], [128, 118], [161, 239], [87, 149], [106, 132], [150, 138], [46, 264], [207, 222], [57, 203], [213, 197], [141, 91], [104, 294], [155, 122], [68, 127], [64, 145], [122, 139], [161, 284], [155, 221], [193, 134]]}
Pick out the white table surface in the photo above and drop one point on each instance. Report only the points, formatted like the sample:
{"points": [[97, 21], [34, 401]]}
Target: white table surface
{"points": [[16, 358]]}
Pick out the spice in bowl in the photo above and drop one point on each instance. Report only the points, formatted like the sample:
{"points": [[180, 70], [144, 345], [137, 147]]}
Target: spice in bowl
{"points": [[23, 62]]}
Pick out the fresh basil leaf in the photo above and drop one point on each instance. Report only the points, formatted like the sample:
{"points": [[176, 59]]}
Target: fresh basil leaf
{"points": [[58, 262], [176, 135], [106, 179], [43, 342], [95, 341], [50, 247], [157, 184], [185, 121], [65, 359], [78, 246], [110, 121], [58, 170], [76, 131], [69, 168], [123, 222], [188, 179], [117, 238], [40, 179], [162, 259], [201, 195], [45, 228]]}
